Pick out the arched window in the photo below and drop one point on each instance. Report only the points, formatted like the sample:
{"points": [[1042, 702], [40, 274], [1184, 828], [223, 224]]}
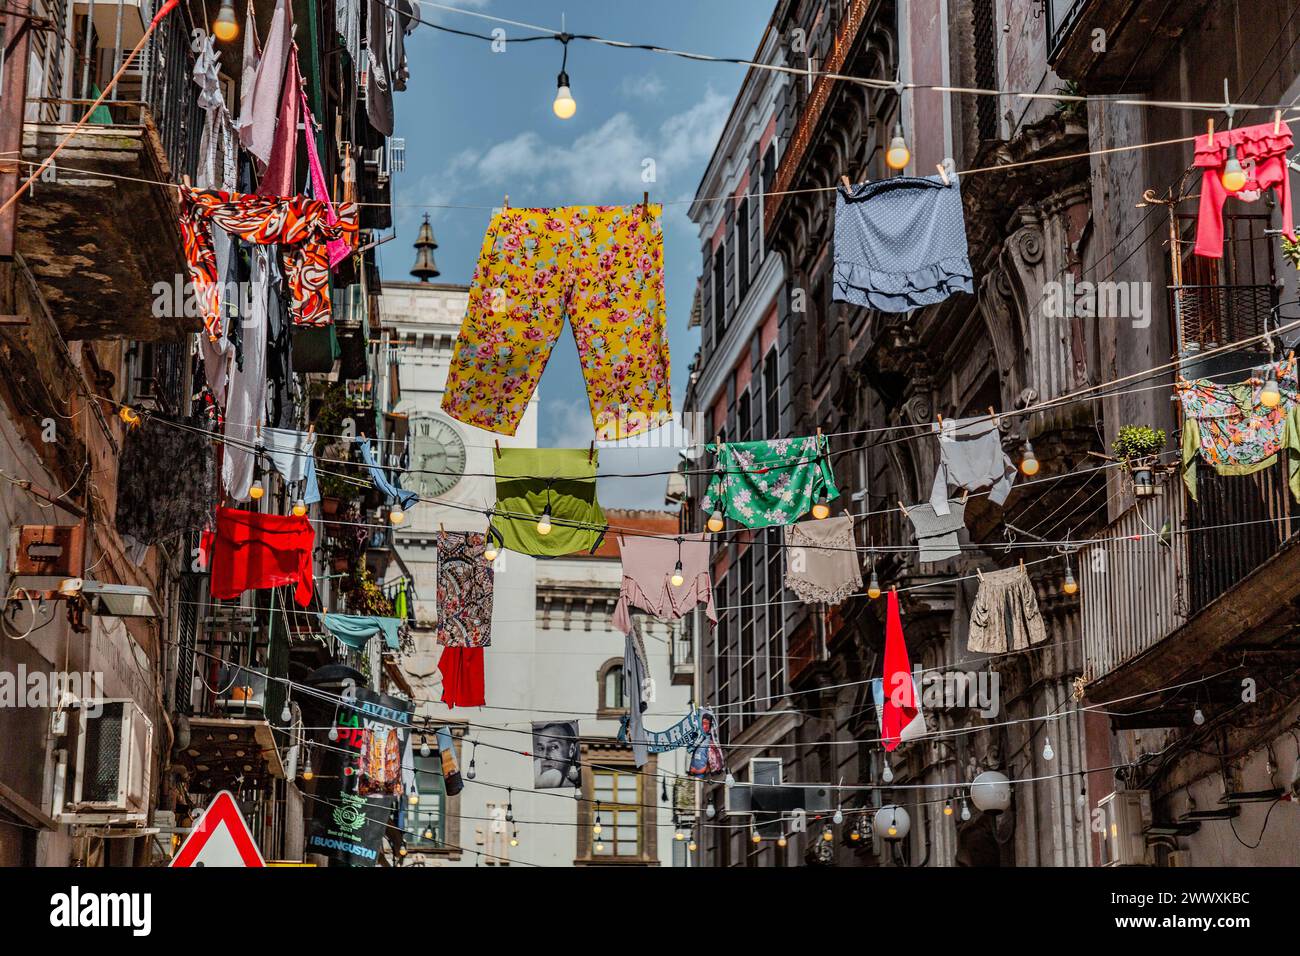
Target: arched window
{"points": [[612, 698]]}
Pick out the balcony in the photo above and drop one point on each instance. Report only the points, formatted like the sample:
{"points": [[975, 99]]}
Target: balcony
{"points": [[1139, 37], [1160, 611], [95, 238]]}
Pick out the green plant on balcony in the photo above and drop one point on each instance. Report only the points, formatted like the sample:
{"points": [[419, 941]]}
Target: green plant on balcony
{"points": [[1074, 110], [1137, 449], [364, 596], [1291, 251]]}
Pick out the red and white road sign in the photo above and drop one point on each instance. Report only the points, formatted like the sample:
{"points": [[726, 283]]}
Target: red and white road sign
{"points": [[221, 838]]}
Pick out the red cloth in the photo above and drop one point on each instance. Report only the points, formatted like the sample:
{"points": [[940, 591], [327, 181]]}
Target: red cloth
{"points": [[1263, 156], [462, 676], [899, 690], [261, 551]]}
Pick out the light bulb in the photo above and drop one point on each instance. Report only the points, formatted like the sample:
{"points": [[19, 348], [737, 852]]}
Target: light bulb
{"points": [[471, 772], [1234, 177], [710, 811], [510, 813], [334, 733], [839, 817], [1029, 464], [577, 793], [854, 835], [514, 841], [887, 774], [396, 515], [947, 808], [781, 840], [401, 851], [873, 589], [1198, 718], [679, 835], [1270, 396], [600, 847], [965, 810], [306, 769], [490, 552], [821, 510], [1048, 752], [756, 838], [1070, 586], [564, 105], [425, 749], [299, 508], [544, 522], [428, 833], [255, 491], [716, 522], [828, 834], [225, 27], [692, 846], [597, 828], [414, 798], [286, 715], [898, 155], [729, 780], [893, 830], [677, 578]]}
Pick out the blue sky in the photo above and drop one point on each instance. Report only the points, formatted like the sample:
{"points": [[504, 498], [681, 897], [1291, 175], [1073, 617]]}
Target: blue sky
{"points": [[479, 124]]}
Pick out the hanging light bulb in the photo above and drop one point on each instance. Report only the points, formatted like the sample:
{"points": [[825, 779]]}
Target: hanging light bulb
{"points": [[887, 774], [692, 846], [716, 522], [425, 749], [299, 508], [1234, 177], [514, 837], [286, 715], [306, 767], [333, 734], [510, 807], [490, 549], [679, 835], [401, 851], [828, 834], [710, 811], [1029, 464], [1070, 586], [678, 579], [855, 834], [1198, 718], [564, 105], [756, 838], [225, 27], [838, 818], [544, 522], [821, 509], [471, 771], [396, 515], [898, 155], [729, 780], [255, 490], [577, 792], [781, 840], [600, 847], [873, 589], [428, 833], [413, 799], [597, 827], [965, 809], [947, 807], [1270, 396], [1048, 752]]}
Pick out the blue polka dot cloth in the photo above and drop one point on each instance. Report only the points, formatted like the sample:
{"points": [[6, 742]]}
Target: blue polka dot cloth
{"points": [[900, 243]]}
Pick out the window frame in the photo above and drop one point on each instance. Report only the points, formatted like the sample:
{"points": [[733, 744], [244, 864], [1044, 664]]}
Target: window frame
{"points": [[610, 758]]}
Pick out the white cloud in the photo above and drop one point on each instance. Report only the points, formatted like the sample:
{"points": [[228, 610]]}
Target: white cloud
{"points": [[647, 86]]}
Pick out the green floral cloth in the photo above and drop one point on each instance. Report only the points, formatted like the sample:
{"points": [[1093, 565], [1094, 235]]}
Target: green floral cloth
{"points": [[767, 483], [527, 478]]}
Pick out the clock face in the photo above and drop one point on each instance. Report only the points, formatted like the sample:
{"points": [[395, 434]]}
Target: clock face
{"points": [[437, 455]]}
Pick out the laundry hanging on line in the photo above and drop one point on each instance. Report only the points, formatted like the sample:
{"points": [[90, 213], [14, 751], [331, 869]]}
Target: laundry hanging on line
{"points": [[766, 483], [356, 630], [971, 457], [1231, 429], [249, 551], [464, 622], [1262, 154], [600, 265], [900, 707], [529, 480], [936, 533], [821, 560], [648, 565], [1005, 615], [900, 243], [155, 499], [391, 489]]}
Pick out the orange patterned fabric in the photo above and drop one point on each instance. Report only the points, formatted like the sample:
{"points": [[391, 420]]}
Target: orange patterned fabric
{"points": [[300, 226]]}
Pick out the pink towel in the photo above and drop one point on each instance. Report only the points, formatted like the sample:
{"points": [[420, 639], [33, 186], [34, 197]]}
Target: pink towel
{"points": [[338, 248]]}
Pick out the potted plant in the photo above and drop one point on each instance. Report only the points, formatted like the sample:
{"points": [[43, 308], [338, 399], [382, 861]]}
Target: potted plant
{"points": [[1136, 448]]}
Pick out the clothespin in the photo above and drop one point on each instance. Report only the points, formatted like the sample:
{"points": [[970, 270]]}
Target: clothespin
{"points": [[505, 203], [442, 527], [591, 452], [1022, 564], [964, 495], [1277, 122], [903, 508], [645, 203], [943, 173], [992, 414], [979, 574], [497, 442], [1209, 131], [940, 418], [848, 186], [185, 181]]}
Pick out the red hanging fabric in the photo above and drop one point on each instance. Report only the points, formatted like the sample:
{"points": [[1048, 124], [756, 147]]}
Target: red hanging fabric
{"points": [[252, 551], [462, 676], [899, 690]]}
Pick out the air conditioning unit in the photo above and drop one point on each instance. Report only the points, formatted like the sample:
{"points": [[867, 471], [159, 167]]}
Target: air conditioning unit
{"points": [[1127, 814], [112, 764]]}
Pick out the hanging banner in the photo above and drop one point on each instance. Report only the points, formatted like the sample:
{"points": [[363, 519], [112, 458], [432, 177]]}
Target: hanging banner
{"points": [[687, 732], [369, 762], [557, 750]]}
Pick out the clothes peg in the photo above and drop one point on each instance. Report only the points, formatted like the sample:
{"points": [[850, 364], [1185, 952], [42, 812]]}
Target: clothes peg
{"points": [[497, 442], [992, 414], [1022, 564], [1209, 131], [185, 181], [943, 174], [505, 203], [964, 495], [940, 418], [848, 186], [442, 527], [1277, 122], [645, 203], [903, 508], [591, 452], [979, 574]]}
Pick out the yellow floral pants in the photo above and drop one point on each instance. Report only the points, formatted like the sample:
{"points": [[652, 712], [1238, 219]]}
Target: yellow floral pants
{"points": [[602, 266]]}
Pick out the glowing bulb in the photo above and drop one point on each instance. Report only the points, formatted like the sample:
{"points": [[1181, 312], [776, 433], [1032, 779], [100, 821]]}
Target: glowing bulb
{"points": [[854, 835], [428, 833], [255, 491], [225, 27], [401, 851], [828, 834], [597, 828], [1048, 752], [898, 155], [677, 578], [756, 838], [893, 830], [544, 522], [564, 105], [299, 508], [692, 846], [887, 774], [1029, 464], [514, 841], [873, 589], [716, 522], [600, 847], [1234, 177], [1270, 396], [490, 551], [396, 515], [306, 769], [781, 840], [679, 835], [821, 510], [1198, 718], [947, 808], [1070, 586], [414, 798]]}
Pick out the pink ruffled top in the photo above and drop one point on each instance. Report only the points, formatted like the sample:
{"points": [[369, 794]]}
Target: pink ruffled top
{"points": [[648, 565]]}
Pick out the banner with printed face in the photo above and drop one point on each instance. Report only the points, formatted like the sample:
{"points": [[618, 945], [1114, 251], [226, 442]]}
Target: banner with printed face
{"points": [[556, 753]]}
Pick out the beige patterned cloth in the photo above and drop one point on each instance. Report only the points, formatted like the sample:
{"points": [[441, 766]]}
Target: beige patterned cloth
{"points": [[821, 560], [1005, 615]]}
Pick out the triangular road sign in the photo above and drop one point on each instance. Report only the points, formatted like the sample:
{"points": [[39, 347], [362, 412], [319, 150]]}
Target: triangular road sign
{"points": [[221, 838]]}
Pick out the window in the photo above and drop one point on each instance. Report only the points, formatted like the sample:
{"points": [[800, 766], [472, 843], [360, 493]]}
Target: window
{"points": [[742, 250], [719, 293], [612, 696], [616, 806], [426, 825]]}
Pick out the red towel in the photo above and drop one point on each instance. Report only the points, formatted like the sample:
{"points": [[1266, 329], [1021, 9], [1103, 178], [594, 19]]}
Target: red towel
{"points": [[253, 551], [900, 699], [462, 676]]}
